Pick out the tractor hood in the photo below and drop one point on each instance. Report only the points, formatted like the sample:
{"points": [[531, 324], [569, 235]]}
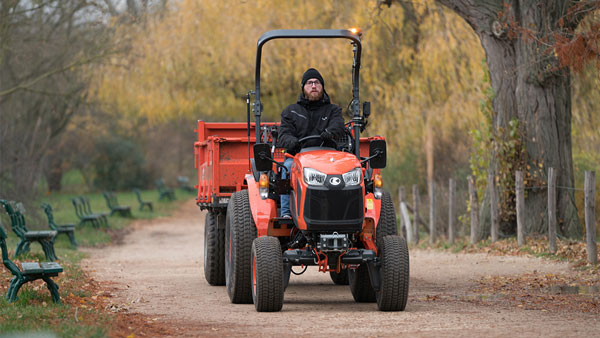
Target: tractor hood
{"points": [[328, 161]]}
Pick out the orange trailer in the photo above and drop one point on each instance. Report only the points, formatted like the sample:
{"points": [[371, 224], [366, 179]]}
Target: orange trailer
{"points": [[222, 157]]}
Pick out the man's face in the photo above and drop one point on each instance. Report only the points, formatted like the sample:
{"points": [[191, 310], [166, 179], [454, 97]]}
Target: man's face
{"points": [[313, 90]]}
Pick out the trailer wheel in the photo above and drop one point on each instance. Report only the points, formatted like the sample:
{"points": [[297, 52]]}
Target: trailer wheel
{"points": [[394, 274], [240, 231], [267, 274], [387, 219], [214, 249], [360, 284], [339, 278]]}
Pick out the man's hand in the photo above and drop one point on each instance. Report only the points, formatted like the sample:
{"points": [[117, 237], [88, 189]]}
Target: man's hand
{"points": [[294, 145], [326, 135]]}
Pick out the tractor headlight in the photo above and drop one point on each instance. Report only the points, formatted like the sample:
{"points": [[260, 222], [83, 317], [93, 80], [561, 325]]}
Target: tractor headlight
{"points": [[314, 177], [353, 177]]}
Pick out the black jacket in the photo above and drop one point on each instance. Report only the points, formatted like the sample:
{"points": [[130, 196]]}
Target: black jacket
{"points": [[306, 118]]}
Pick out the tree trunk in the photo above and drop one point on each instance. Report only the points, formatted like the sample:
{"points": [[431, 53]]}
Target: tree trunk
{"points": [[54, 178], [530, 88]]}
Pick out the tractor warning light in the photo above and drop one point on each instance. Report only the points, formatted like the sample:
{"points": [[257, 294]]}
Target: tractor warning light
{"points": [[263, 186], [355, 30], [377, 186]]}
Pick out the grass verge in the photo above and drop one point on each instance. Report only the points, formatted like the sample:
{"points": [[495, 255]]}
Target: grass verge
{"points": [[83, 310]]}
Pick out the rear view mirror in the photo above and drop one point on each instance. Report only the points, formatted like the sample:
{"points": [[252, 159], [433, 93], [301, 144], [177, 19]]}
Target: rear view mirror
{"points": [[366, 109], [377, 148], [262, 157]]}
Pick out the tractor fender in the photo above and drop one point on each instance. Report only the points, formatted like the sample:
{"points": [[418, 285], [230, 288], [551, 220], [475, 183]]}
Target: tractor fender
{"points": [[372, 215], [262, 210], [372, 208]]}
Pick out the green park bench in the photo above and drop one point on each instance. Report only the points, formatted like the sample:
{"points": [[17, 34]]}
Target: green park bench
{"points": [[30, 272], [113, 204], [88, 209], [142, 202], [17, 222], [82, 205], [184, 184], [65, 229], [163, 191]]}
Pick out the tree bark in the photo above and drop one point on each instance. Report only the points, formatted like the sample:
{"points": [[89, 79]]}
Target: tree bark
{"points": [[54, 178], [531, 88]]}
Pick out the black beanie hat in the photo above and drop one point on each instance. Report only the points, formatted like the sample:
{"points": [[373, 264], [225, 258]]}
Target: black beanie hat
{"points": [[312, 73]]}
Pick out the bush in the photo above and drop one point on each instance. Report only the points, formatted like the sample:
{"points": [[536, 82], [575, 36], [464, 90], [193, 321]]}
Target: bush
{"points": [[119, 164]]}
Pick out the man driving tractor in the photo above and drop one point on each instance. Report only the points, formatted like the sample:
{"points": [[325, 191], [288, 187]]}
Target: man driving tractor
{"points": [[312, 114]]}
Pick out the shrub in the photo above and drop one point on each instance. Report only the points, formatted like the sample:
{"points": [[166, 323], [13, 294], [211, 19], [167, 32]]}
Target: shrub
{"points": [[119, 164]]}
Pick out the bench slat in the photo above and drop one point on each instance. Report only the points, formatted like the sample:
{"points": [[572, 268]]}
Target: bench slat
{"points": [[40, 234], [51, 267], [31, 268]]}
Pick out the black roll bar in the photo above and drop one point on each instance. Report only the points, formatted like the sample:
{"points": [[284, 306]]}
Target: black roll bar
{"points": [[312, 34]]}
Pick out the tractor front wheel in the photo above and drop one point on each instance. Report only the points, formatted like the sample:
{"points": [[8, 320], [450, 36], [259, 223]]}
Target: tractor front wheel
{"points": [[267, 274], [240, 231], [394, 273], [214, 249]]}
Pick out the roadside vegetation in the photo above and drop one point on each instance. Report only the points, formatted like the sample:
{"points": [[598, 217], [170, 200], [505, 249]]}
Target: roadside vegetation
{"points": [[84, 311]]}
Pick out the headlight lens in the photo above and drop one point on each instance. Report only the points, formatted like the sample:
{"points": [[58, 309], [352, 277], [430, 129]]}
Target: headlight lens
{"points": [[353, 177], [314, 177]]}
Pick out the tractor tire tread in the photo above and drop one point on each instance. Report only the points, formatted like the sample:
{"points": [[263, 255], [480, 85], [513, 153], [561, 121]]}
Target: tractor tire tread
{"points": [[214, 250], [268, 260], [339, 278], [360, 285], [393, 294], [387, 224], [242, 231]]}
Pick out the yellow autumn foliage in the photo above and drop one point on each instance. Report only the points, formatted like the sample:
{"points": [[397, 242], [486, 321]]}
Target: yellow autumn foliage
{"points": [[197, 60]]}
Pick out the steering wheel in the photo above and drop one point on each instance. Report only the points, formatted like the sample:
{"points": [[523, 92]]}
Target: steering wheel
{"points": [[309, 137]]}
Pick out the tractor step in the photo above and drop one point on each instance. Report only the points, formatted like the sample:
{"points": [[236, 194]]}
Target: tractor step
{"points": [[280, 221]]}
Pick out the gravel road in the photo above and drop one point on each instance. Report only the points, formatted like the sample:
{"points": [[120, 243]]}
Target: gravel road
{"points": [[157, 271]]}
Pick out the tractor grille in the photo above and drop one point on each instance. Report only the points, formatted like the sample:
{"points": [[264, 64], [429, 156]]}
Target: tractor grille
{"points": [[334, 210]]}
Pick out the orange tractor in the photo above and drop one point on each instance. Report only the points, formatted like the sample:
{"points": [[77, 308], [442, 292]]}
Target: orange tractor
{"points": [[343, 222]]}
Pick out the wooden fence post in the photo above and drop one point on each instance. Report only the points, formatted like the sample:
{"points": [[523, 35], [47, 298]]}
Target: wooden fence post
{"points": [[590, 221], [493, 206], [474, 201], [551, 210], [432, 212], [451, 190], [520, 192], [415, 190], [400, 200], [406, 218]]}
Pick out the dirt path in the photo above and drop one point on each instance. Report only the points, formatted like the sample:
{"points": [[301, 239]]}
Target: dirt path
{"points": [[158, 272]]}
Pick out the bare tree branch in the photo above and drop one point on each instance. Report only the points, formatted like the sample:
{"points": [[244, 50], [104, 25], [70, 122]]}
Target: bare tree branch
{"points": [[578, 9], [70, 66]]}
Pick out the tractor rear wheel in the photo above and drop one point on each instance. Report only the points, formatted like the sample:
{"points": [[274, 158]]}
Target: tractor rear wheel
{"points": [[214, 249], [394, 273], [360, 284], [267, 274], [339, 278], [387, 219], [240, 231]]}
